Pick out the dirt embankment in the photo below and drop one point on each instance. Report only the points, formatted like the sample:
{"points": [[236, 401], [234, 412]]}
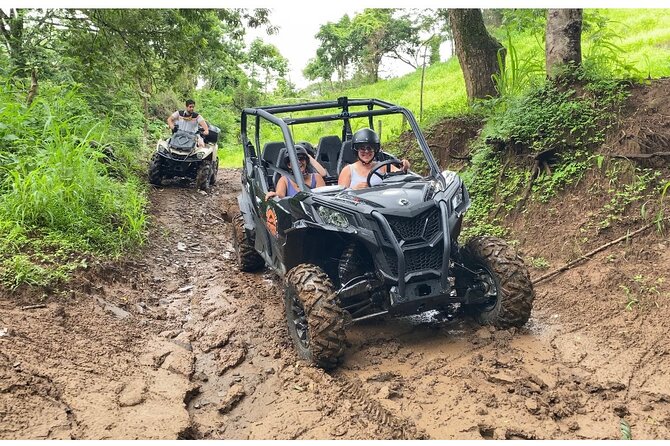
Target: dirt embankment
{"points": [[178, 344]]}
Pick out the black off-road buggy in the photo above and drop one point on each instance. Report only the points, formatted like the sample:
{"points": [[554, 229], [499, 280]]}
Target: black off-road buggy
{"points": [[348, 255]]}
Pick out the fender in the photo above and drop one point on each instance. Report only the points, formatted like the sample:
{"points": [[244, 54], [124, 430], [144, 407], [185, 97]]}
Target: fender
{"points": [[244, 202]]}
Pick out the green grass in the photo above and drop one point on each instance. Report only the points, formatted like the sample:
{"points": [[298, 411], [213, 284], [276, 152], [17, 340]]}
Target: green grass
{"points": [[230, 156], [644, 37]]}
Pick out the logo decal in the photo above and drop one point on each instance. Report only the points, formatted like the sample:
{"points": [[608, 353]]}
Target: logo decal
{"points": [[403, 202], [271, 221]]}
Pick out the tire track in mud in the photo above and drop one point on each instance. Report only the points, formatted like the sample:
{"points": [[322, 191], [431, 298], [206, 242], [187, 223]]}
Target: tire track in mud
{"points": [[392, 427]]}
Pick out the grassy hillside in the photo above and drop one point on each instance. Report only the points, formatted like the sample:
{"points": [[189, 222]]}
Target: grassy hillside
{"points": [[630, 43]]}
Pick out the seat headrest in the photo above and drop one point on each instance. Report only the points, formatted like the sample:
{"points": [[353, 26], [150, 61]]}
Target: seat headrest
{"points": [[348, 155], [271, 151], [281, 161]]}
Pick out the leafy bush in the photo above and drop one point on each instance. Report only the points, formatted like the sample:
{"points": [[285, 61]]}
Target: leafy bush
{"points": [[68, 187], [553, 115]]}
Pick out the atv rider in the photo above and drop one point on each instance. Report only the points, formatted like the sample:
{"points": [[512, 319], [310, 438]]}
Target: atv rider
{"points": [[189, 120], [365, 143], [287, 187]]}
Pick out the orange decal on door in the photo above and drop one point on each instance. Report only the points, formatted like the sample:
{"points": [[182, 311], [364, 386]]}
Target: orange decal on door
{"points": [[271, 221]]}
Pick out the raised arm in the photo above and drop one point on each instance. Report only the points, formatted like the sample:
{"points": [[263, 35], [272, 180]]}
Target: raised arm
{"points": [[317, 166]]}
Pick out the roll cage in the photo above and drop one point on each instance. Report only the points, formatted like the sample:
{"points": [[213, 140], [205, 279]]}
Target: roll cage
{"points": [[342, 105]]}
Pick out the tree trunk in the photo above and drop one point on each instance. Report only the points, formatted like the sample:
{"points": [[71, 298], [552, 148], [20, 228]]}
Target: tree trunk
{"points": [[477, 52], [33, 87], [11, 29], [563, 48]]}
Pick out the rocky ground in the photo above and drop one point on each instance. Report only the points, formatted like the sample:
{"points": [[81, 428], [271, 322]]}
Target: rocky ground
{"points": [[176, 343]]}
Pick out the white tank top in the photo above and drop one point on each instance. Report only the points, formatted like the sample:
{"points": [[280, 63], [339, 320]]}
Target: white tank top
{"points": [[356, 178]]}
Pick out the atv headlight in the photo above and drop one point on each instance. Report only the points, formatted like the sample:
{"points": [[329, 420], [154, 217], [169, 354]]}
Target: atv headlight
{"points": [[457, 199], [200, 155], [449, 176], [333, 217]]}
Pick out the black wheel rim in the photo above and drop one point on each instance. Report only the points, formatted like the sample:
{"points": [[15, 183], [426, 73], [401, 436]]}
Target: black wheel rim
{"points": [[487, 279], [299, 321]]}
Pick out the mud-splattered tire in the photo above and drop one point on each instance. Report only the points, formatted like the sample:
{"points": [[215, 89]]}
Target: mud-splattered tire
{"points": [[215, 172], [248, 259], [515, 294], [315, 321], [155, 166], [202, 177]]}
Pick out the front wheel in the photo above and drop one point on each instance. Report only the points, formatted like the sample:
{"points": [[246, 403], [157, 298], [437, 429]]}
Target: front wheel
{"points": [[155, 167], [505, 278], [315, 321], [202, 177], [215, 172]]}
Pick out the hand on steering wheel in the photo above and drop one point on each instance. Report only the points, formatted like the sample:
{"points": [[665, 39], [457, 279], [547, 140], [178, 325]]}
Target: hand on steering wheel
{"points": [[391, 161]]}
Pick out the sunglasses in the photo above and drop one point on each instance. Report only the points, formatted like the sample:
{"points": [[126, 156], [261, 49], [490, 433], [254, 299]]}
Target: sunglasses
{"points": [[301, 159], [365, 149]]}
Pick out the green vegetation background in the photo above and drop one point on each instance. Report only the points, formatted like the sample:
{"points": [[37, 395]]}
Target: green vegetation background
{"points": [[72, 175]]}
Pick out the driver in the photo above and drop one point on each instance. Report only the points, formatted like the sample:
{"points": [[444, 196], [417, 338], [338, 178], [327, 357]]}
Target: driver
{"points": [[189, 120], [365, 143]]}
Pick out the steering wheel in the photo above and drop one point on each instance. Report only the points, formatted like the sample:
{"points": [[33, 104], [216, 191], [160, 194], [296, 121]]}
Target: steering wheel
{"points": [[391, 161]]}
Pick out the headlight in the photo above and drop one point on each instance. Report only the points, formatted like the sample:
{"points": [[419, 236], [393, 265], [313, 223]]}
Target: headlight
{"points": [[332, 217], [449, 176], [457, 199], [200, 155]]}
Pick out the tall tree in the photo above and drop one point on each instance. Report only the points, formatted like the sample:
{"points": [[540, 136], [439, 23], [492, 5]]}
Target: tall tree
{"points": [[266, 58], [477, 52], [335, 51], [28, 38], [378, 33], [317, 68], [563, 48]]}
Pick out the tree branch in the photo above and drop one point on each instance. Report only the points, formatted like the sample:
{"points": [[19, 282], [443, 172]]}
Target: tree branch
{"points": [[595, 251]]}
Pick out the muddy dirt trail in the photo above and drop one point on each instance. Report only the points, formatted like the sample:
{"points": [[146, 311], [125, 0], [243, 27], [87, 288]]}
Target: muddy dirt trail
{"points": [[178, 344]]}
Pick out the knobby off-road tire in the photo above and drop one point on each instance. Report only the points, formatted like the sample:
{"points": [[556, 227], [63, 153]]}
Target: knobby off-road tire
{"points": [[202, 177], [215, 172], [155, 166], [248, 259], [515, 292], [315, 321]]}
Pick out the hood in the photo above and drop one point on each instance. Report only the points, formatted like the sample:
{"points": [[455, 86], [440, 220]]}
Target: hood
{"points": [[400, 199]]}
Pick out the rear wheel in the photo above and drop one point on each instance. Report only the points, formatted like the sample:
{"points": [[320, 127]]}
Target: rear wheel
{"points": [[247, 258], [202, 177], [315, 321], [506, 282], [155, 169]]}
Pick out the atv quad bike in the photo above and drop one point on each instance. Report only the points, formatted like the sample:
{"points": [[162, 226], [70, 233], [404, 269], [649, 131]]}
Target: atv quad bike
{"points": [[348, 255], [180, 156]]}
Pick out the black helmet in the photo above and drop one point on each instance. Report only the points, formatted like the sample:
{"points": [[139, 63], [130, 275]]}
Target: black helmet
{"points": [[367, 137], [299, 150]]}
